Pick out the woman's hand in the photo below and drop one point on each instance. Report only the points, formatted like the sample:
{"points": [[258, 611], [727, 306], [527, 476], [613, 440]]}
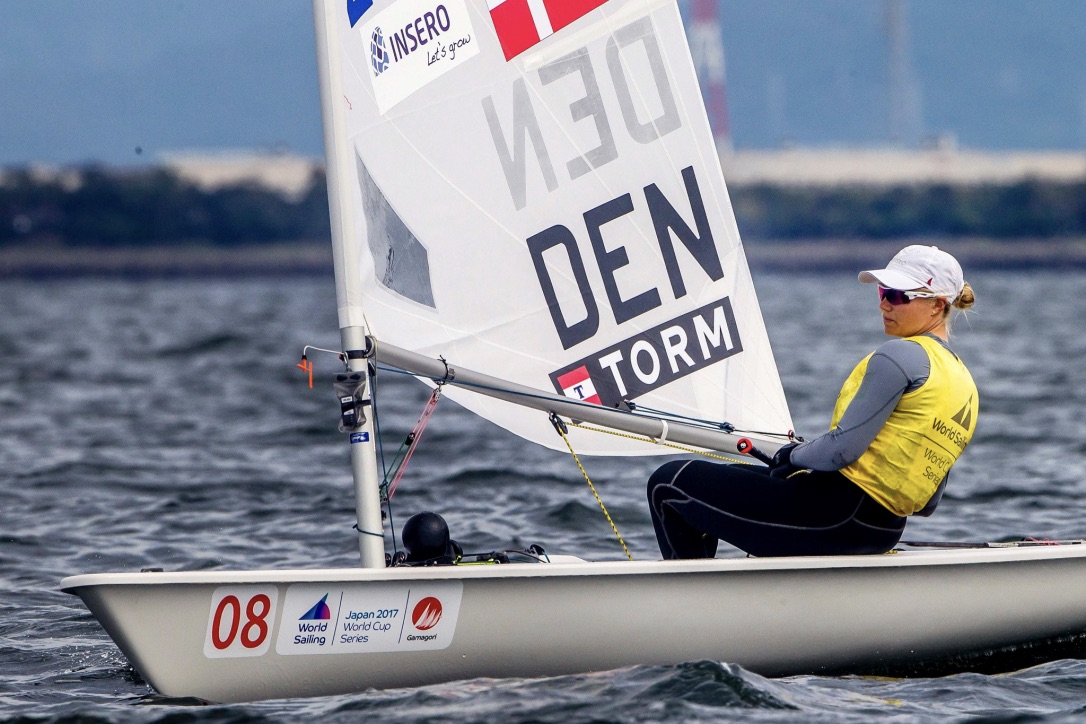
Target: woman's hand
{"points": [[781, 465]]}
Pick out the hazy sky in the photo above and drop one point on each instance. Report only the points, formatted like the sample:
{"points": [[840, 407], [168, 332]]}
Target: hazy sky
{"points": [[99, 79]]}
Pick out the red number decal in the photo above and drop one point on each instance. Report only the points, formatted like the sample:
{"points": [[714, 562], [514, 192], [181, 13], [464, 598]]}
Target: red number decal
{"points": [[255, 630], [235, 620], [255, 620]]}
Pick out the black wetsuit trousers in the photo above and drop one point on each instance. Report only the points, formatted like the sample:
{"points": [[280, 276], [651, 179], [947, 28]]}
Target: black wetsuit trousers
{"points": [[694, 503]]}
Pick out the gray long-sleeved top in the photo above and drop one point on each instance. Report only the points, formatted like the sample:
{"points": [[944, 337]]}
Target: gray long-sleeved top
{"points": [[896, 367]]}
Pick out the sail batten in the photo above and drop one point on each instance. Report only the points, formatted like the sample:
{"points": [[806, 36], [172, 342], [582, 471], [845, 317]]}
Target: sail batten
{"points": [[550, 212]]}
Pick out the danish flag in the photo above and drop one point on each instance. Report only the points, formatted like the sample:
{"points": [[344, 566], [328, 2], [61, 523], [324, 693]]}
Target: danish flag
{"points": [[520, 24]]}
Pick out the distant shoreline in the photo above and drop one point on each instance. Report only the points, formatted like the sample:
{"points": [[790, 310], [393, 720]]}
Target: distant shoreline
{"points": [[311, 258], [168, 262], [831, 255]]}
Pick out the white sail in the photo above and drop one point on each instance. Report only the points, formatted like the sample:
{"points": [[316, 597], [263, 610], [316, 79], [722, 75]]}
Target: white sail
{"points": [[530, 189]]}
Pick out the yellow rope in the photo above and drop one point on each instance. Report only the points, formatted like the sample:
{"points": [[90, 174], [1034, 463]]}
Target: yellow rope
{"points": [[561, 431], [559, 425]]}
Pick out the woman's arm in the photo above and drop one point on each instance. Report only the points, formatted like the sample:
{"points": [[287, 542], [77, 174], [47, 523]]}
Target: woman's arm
{"points": [[898, 366]]}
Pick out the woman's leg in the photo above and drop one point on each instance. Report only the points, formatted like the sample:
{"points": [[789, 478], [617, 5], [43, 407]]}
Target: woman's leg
{"points": [[808, 514], [676, 537]]}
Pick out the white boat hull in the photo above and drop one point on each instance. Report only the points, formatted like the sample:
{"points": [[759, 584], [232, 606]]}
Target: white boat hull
{"points": [[772, 616]]}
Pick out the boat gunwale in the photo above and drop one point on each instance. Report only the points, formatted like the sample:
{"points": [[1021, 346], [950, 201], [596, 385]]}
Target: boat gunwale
{"points": [[901, 559]]}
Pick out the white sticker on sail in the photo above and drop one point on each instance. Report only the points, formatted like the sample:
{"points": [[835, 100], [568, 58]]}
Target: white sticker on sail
{"points": [[239, 621], [413, 42], [368, 618]]}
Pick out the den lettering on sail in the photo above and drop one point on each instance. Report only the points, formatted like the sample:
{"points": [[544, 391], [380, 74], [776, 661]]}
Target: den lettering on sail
{"points": [[645, 360]]}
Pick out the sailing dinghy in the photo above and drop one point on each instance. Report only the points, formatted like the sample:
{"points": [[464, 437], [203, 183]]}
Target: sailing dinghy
{"points": [[528, 210]]}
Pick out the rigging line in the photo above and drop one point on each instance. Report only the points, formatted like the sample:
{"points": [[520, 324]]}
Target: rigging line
{"points": [[380, 448], [372, 370], [377, 421], [397, 461], [392, 528], [661, 442], [725, 426], [561, 429], [403, 452], [415, 437]]}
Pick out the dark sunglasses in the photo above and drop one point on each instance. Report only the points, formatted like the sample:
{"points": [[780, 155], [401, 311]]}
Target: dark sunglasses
{"points": [[896, 296]]}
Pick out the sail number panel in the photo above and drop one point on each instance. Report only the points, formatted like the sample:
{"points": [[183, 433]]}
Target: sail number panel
{"points": [[239, 621], [333, 618]]}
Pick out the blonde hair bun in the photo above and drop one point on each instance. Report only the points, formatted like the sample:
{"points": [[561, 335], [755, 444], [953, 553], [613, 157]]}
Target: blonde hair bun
{"points": [[966, 298]]}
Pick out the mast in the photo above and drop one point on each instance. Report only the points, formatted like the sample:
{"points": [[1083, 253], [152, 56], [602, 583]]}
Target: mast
{"points": [[371, 545]]}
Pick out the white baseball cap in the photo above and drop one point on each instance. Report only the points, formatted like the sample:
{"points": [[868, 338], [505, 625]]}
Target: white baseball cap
{"points": [[920, 267]]}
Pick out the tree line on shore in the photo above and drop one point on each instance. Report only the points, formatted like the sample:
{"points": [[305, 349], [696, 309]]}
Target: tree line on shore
{"points": [[99, 207]]}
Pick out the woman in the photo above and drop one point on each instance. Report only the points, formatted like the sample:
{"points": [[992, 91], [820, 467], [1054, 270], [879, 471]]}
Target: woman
{"points": [[901, 420]]}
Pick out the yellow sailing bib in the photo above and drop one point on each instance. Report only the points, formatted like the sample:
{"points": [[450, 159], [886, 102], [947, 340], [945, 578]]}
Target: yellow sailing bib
{"points": [[923, 436]]}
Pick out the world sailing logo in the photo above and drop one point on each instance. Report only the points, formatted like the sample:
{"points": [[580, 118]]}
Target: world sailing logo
{"points": [[426, 614], [378, 54], [964, 416], [319, 612], [313, 625]]}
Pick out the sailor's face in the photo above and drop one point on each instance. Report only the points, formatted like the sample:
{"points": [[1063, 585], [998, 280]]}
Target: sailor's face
{"points": [[910, 318]]}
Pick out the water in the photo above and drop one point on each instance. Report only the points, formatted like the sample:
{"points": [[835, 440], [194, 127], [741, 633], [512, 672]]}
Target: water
{"points": [[152, 423]]}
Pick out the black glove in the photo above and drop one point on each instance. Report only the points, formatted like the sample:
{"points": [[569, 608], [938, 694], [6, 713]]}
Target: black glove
{"points": [[781, 465]]}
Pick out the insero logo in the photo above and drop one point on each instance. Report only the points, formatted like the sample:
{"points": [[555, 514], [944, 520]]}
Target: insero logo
{"points": [[410, 44], [378, 53], [426, 614]]}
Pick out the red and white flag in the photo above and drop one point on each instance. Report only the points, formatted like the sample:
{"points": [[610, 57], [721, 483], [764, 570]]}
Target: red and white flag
{"points": [[578, 385], [520, 24]]}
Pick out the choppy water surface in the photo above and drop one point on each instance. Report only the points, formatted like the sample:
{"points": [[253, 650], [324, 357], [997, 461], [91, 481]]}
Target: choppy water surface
{"points": [[163, 423]]}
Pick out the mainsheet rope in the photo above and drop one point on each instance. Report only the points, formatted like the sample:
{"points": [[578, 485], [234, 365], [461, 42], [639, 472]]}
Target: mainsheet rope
{"points": [[560, 427]]}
